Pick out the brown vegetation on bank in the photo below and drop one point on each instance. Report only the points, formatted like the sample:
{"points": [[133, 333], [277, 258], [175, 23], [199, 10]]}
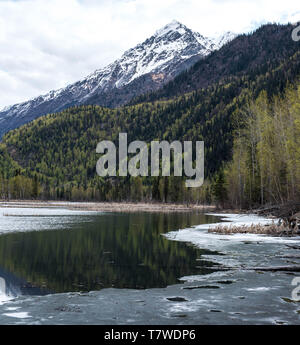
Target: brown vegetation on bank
{"points": [[270, 229], [111, 206]]}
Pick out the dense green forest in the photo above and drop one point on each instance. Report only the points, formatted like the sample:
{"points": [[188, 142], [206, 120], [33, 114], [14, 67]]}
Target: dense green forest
{"points": [[248, 119]]}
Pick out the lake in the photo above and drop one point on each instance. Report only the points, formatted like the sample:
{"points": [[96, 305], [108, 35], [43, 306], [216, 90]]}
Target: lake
{"points": [[94, 251], [59, 266]]}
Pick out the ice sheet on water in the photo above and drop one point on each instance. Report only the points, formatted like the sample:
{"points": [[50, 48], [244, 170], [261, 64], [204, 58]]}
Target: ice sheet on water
{"points": [[20, 315], [238, 220], [21, 219], [35, 212], [241, 250], [200, 237], [213, 241], [4, 298]]}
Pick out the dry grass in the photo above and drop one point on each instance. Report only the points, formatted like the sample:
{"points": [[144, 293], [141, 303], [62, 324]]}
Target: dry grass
{"points": [[110, 206], [271, 229]]}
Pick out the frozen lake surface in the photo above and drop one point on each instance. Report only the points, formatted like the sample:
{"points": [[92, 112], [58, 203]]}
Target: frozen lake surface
{"points": [[59, 266]]}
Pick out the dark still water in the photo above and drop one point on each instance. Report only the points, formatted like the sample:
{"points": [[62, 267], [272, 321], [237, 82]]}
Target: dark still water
{"points": [[100, 251]]}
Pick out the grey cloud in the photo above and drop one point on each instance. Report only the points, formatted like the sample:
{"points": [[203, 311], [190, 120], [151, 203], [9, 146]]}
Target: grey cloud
{"points": [[46, 44]]}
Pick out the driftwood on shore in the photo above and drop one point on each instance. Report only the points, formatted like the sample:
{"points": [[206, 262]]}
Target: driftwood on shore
{"points": [[288, 224], [288, 214]]}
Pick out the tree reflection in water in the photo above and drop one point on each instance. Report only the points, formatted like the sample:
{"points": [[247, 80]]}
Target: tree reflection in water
{"points": [[111, 250]]}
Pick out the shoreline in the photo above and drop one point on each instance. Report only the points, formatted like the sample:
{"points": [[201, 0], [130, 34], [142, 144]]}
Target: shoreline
{"points": [[144, 207], [119, 207]]}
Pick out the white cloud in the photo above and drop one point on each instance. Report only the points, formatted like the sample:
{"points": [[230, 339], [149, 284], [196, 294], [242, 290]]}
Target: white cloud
{"points": [[46, 44]]}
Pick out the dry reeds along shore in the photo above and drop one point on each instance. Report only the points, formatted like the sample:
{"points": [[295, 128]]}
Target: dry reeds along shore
{"points": [[109, 206], [269, 229]]}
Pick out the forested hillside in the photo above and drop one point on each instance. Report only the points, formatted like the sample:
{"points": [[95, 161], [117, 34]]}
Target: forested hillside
{"points": [[59, 149], [248, 120]]}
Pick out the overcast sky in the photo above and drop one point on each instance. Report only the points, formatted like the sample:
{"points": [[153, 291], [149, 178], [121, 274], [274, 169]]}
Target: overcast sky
{"points": [[47, 44]]}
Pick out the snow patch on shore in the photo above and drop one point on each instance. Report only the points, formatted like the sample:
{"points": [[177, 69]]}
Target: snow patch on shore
{"points": [[200, 237], [238, 220]]}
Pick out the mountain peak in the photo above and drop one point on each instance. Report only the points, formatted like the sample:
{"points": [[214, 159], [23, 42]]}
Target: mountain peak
{"points": [[174, 25], [175, 21]]}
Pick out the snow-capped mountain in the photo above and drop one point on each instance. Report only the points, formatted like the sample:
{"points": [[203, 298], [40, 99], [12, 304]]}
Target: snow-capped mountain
{"points": [[221, 40], [143, 68]]}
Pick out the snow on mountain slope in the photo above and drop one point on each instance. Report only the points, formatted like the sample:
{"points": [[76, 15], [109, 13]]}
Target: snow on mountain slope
{"points": [[221, 40], [145, 67]]}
